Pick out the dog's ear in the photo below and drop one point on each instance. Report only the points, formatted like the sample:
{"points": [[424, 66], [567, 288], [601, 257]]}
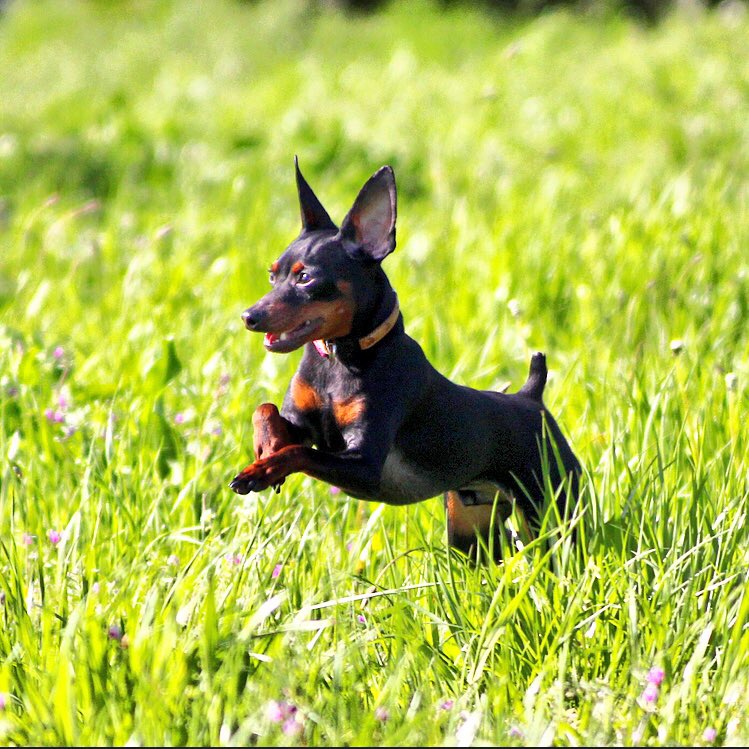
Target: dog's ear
{"points": [[314, 216], [371, 221]]}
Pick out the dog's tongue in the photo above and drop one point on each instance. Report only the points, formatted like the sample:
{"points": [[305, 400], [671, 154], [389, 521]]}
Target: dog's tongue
{"points": [[270, 338]]}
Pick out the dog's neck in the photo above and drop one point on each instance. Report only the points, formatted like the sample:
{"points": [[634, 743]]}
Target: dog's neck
{"points": [[369, 329]]}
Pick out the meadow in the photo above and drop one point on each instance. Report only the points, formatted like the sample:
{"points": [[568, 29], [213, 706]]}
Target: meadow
{"points": [[570, 183]]}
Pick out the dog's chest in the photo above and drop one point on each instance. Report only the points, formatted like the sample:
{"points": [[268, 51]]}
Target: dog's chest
{"points": [[328, 408], [403, 481]]}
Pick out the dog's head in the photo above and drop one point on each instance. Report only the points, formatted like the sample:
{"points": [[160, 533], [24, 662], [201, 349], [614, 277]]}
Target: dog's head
{"points": [[327, 275]]}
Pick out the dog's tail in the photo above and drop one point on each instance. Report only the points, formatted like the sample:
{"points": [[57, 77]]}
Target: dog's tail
{"points": [[534, 385]]}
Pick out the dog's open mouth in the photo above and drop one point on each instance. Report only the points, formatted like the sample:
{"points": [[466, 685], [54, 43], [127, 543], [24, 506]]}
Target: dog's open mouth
{"points": [[281, 343]]}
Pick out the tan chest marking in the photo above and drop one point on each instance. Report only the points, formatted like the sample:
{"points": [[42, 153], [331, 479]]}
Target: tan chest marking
{"points": [[304, 396], [348, 411]]}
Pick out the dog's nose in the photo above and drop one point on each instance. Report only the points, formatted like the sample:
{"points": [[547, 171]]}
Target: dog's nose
{"points": [[251, 318]]}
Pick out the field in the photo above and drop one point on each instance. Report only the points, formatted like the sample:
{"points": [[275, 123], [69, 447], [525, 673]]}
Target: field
{"points": [[576, 184]]}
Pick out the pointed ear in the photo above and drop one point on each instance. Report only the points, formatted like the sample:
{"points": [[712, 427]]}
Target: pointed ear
{"points": [[314, 216], [371, 221]]}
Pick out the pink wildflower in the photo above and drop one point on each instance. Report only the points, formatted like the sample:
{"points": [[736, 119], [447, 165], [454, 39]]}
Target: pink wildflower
{"points": [[650, 693], [54, 537], [656, 675], [292, 726]]}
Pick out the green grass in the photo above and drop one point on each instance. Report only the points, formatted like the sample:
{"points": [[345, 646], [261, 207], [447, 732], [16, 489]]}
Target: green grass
{"points": [[571, 184]]}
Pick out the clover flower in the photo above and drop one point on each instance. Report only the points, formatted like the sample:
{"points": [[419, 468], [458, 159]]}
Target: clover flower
{"points": [[382, 714], [656, 675], [650, 693]]}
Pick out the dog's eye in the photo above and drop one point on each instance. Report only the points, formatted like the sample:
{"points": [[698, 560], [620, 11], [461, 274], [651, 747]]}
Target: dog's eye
{"points": [[303, 278]]}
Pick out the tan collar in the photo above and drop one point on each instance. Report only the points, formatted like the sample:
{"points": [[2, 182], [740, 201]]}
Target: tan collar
{"points": [[370, 339]]}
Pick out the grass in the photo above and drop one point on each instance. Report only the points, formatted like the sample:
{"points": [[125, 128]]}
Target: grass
{"points": [[569, 184]]}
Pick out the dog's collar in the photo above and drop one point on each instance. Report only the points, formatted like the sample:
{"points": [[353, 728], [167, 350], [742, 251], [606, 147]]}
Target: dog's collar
{"points": [[369, 340]]}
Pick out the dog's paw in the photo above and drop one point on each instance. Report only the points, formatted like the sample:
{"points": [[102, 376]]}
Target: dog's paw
{"points": [[246, 482], [242, 485]]}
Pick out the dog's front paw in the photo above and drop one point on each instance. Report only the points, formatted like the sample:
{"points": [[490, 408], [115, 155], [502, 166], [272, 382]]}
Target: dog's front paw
{"points": [[244, 485], [252, 480]]}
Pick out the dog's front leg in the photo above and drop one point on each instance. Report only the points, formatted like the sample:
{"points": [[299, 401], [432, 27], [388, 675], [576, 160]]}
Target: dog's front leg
{"points": [[352, 472], [271, 433]]}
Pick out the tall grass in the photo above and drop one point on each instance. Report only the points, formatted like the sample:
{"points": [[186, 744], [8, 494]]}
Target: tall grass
{"points": [[567, 184]]}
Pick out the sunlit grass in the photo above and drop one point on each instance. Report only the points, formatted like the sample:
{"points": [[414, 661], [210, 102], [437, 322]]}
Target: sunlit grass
{"points": [[567, 184]]}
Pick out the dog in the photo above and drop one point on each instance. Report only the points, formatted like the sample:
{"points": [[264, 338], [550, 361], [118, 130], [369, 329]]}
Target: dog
{"points": [[366, 411]]}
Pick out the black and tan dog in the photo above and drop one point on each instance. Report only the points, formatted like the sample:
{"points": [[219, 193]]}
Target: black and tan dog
{"points": [[385, 424]]}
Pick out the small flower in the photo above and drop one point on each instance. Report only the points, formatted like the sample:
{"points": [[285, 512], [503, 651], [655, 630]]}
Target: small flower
{"points": [[56, 417], [650, 693], [275, 712], [217, 431], [95, 587], [62, 402], [283, 712], [447, 705], [59, 352], [173, 560], [3, 700], [710, 734], [276, 571], [27, 539], [361, 619], [114, 632], [54, 537], [382, 714], [515, 732], [236, 559], [179, 418], [656, 675], [70, 431], [335, 490], [292, 727]]}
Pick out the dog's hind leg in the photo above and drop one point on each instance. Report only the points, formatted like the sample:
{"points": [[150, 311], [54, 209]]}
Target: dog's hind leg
{"points": [[473, 515]]}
